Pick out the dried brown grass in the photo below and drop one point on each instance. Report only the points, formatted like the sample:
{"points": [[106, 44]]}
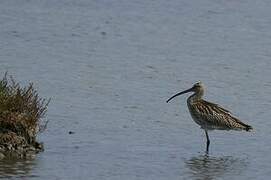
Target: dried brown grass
{"points": [[21, 110]]}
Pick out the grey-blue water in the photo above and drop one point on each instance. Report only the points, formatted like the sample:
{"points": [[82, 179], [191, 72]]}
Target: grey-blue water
{"points": [[109, 67]]}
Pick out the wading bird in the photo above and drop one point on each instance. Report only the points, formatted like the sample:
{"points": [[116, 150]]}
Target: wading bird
{"points": [[208, 115]]}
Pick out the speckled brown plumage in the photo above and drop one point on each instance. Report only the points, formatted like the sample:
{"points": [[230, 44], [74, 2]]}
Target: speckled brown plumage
{"points": [[211, 116]]}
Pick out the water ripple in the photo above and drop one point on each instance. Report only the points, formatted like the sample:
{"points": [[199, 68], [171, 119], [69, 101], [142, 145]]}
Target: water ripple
{"points": [[208, 167], [12, 168]]}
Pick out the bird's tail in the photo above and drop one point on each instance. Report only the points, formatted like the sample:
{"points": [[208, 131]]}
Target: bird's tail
{"points": [[248, 127], [244, 126]]}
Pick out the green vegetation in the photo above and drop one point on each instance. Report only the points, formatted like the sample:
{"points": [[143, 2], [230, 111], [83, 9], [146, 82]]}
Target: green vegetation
{"points": [[21, 113]]}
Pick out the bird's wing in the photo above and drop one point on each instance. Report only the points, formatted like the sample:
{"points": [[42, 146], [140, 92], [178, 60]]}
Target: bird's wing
{"points": [[217, 117], [216, 107]]}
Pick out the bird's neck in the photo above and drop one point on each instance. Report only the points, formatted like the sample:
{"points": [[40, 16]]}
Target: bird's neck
{"points": [[195, 97]]}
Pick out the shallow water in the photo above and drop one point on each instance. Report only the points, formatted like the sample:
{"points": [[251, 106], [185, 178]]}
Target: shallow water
{"points": [[109, 68]]}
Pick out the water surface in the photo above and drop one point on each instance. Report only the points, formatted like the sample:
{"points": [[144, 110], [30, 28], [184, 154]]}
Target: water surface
{"points": [[109, 67]]}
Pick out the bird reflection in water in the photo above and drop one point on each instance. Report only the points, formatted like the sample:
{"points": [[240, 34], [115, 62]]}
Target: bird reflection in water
{"points": [[205, 167]]}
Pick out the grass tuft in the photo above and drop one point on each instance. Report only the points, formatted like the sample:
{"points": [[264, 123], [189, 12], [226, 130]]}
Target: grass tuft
{"points": [[21, 112]]}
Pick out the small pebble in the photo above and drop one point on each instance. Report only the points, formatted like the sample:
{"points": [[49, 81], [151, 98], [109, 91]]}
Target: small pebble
{"points": [[71, 132]]}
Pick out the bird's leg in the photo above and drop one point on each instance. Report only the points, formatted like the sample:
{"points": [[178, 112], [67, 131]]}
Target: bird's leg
{"points": [[208, 142]]}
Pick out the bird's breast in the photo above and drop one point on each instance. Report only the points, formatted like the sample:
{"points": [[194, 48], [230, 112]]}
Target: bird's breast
{"points": [[195, 114]]}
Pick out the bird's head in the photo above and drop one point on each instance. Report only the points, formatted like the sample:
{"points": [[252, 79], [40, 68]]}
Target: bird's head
{"points": [[197, 88]]}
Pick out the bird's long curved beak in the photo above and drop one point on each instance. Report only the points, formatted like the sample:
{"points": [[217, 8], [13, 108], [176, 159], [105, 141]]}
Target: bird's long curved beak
{"points": [[180, 93]]}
